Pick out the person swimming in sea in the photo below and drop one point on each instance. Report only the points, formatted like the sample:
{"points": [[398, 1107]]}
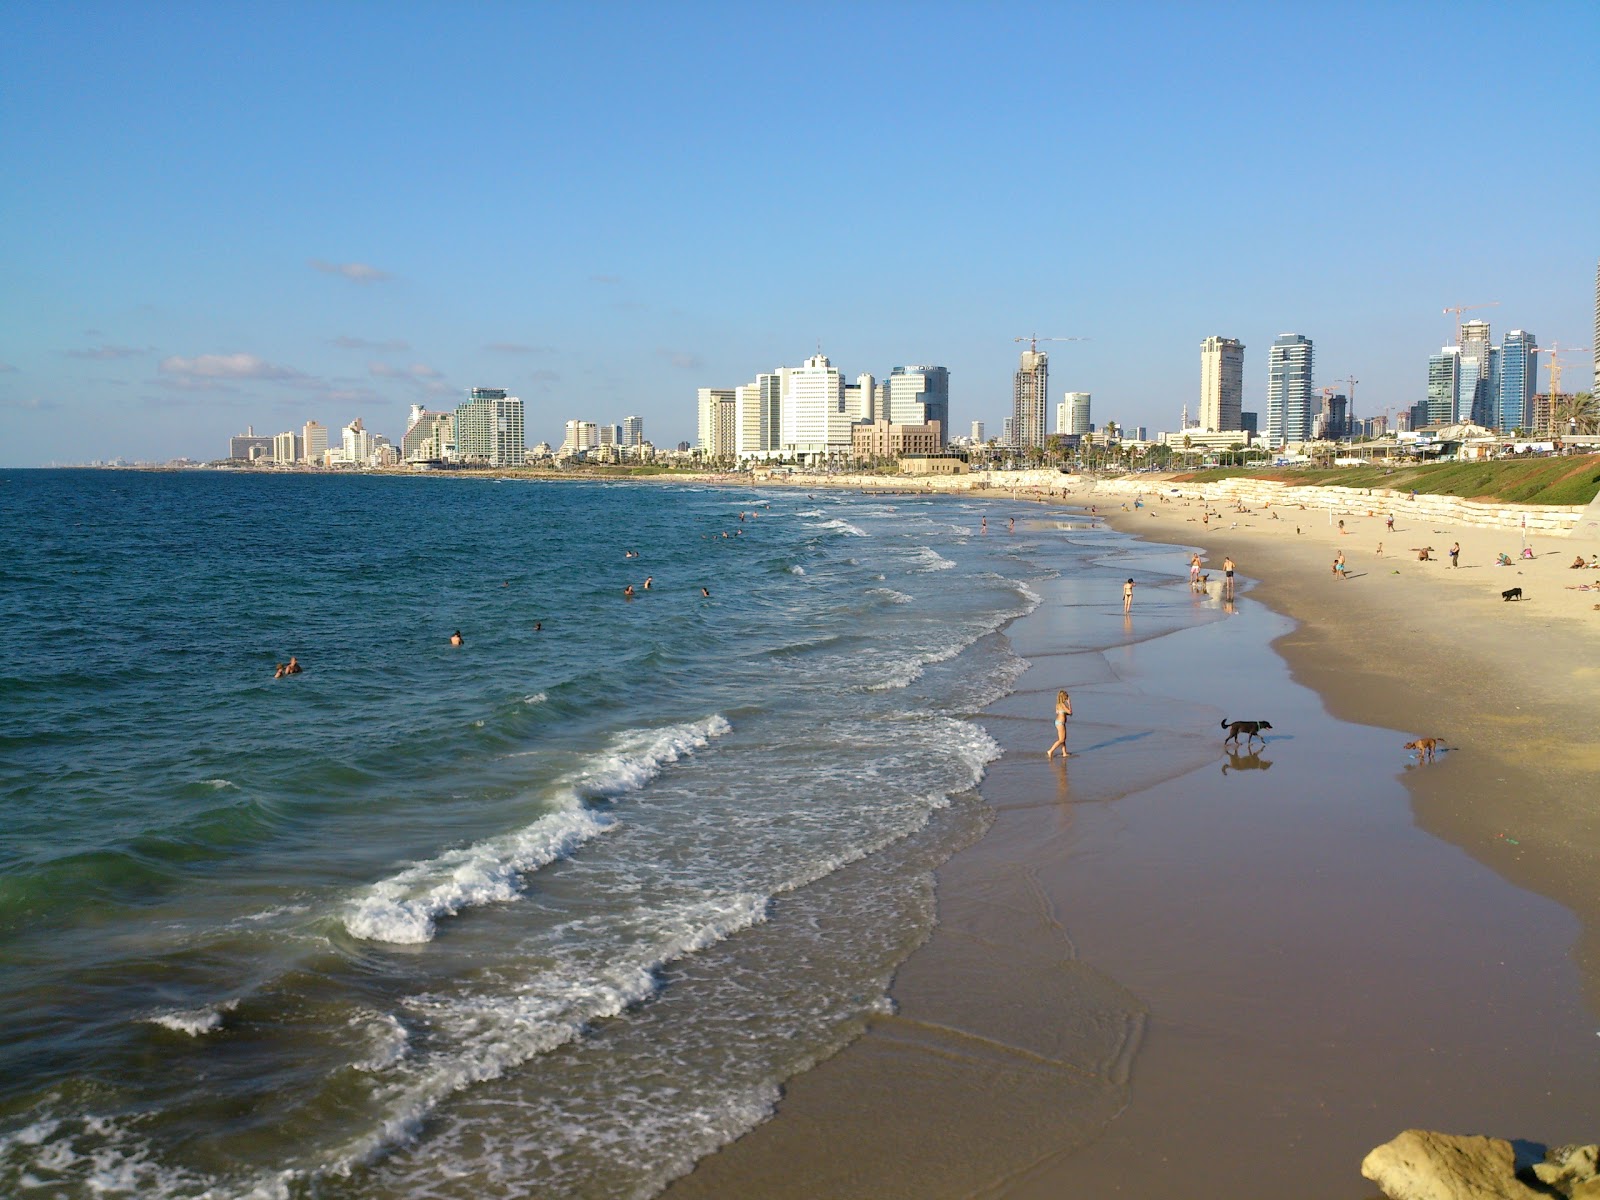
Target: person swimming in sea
{"points": [[628, 592], [292, 667], [704, 592], [456, 639]]}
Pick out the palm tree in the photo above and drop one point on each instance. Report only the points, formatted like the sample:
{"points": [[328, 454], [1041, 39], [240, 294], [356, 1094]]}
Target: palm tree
{"points": [[1575, 414]]}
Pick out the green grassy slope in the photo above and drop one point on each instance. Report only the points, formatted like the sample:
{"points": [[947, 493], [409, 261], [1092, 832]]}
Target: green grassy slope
{"points": [[1573, 480]]}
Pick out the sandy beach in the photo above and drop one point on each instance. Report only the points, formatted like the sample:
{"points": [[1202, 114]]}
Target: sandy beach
{"points": [[1167, 969]]}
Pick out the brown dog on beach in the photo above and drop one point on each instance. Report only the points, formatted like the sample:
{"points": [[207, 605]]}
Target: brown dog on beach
{"points": [[1425, 748], [1251, 729]]}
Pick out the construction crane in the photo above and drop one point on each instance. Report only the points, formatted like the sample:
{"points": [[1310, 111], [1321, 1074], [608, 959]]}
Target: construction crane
{"points": [[1553, 360], [1461, 308], [1033, 341]]}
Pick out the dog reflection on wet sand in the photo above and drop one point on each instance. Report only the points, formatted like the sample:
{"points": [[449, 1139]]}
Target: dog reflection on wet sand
{"points": [[1246, 762]]}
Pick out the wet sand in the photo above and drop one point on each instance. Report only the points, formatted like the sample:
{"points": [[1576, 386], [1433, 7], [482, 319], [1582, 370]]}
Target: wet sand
{"points": [[1169, 969]]}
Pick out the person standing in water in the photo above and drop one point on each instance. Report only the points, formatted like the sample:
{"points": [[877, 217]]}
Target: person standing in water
{"points": [[1127, 596], [1063, 711]]}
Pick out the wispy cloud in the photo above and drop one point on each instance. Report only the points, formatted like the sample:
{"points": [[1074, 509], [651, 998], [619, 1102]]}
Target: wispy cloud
{"points": [[225, 366], [416, 372], [108, 352], [545, 376], [355, 272], [682, 359], [358, 343], [518, 348]]}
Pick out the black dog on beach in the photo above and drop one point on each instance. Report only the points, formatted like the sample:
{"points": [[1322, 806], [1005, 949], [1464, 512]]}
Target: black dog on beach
{"points": [[1511, 594], [1251, 729]]}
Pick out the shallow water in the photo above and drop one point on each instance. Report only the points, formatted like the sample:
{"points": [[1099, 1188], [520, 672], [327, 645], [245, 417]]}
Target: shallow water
{"points": [[554, 912]]}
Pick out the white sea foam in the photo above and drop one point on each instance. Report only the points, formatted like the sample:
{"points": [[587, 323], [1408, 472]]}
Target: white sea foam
{"points": [[490, 1034], [387, 1041], [219, 784], [195, 1022], [908, 670], [889, 594], [929, 559], [406, 907], [843, 526], [796, 569], [536, 698]]}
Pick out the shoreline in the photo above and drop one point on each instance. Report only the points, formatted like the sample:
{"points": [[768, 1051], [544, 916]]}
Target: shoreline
{"points": [[1002, 915]]}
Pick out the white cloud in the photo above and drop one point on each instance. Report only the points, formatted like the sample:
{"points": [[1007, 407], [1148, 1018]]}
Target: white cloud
{"points": [[225, 366], [345, 342], [682, 359], [355, 272], [107, 352]]}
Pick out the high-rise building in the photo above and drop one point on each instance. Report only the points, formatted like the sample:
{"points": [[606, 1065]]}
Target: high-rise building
{"points": [[489, 429], [285, 448], [632, 431], [249, 446], [918, 395], [1221, 384], [1518, 379], [813, 418], [861, 398], [314, 442], [709, 419], [1596, 392], [1029, 387], [580, 436], [1289, 410], [1072, 414], [1476, 400], [977, 433], [1444, 386], [428, 435], [356, 444], [757, 407]]}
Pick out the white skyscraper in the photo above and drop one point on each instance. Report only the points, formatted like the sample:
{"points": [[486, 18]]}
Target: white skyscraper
{"points": [[977, 432], [756, 409], [1289, 410], [1072, 414], [1221, 384], [813, 419], [489, 429], [1029, 387], [714, 425], [632, 431]]}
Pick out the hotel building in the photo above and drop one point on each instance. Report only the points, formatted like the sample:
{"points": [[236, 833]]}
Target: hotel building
{"points": [[1221, 384]]}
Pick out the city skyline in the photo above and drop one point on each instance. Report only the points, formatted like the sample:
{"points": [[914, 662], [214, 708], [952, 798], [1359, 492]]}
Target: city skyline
{"points": [[333, 227]]}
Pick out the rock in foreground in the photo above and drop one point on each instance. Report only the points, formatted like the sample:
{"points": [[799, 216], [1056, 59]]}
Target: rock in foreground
{"points": [[1419, 1165]]}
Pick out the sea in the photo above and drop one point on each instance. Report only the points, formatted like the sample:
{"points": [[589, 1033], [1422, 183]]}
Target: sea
{"points": [[554, 912]]}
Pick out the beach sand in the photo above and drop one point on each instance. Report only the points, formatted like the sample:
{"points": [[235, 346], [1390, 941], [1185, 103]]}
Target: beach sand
{"points": [[1169, 970]]}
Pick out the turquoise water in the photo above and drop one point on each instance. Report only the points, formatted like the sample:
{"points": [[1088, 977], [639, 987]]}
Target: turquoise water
{"points": [[555, 912]]}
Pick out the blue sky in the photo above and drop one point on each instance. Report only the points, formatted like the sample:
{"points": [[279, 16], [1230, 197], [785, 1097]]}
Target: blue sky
{"points": [[226, 215]]}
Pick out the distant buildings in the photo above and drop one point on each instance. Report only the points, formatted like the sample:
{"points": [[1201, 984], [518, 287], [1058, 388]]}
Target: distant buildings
{"points": [[918, 395], [489, 429], [977, 433], [1289, 409], [1072, 414], [248, 446], [429, 436], [1029, 387], [632, 431], [1444, 385], [1518, 373], [314, 442], [1221, 384], [1596, 391]]}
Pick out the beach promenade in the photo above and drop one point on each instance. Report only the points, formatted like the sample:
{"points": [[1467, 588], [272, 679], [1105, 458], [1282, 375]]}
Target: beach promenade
{"points": [[1156, 977]]}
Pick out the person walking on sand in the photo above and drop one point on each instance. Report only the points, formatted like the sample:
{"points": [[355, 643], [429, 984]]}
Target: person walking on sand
{"points": [[1455, 554], [1127, 596], [1063, 711], [1227, 577], [1194, 572]]}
